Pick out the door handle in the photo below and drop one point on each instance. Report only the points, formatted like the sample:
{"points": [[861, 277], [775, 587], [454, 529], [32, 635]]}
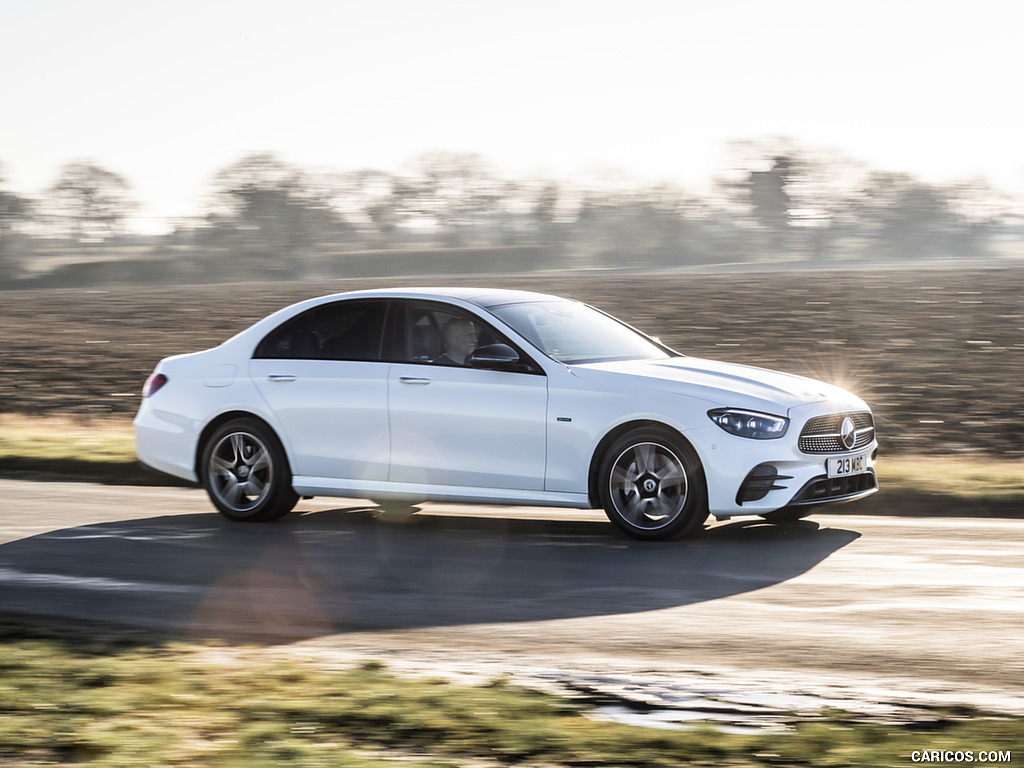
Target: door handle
{"points": [[414, 380], [281, 377]]}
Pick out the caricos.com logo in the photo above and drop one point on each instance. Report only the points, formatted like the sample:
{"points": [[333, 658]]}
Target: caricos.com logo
{"points": [[959, 756]]}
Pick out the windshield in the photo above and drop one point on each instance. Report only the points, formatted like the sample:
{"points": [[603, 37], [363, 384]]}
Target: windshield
{"points": [[575, 333]]}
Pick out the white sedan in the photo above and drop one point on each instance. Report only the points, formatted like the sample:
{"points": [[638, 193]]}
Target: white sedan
{"points": [[496, 397]]}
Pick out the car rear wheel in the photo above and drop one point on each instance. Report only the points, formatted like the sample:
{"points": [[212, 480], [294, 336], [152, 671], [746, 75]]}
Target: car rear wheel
{"points": [[245, 472], [651, 485]]}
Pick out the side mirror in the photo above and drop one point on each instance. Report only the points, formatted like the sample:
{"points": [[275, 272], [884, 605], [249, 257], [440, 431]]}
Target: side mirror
{"points": [[496, 356]]}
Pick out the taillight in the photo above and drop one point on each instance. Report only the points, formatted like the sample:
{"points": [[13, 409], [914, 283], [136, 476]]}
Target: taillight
{"points": [[153, 383]]}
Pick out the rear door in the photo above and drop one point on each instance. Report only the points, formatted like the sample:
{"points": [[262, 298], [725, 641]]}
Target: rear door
{"points": [[323, 375]]}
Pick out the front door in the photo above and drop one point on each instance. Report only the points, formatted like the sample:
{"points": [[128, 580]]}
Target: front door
{"points": [[455, 425]]}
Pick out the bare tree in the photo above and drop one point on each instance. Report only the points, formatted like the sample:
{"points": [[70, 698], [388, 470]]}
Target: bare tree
{"points": [[14, 211], [641, 228], [454, 192], [367, 199], [905, 217], [769, 197], [88, 202], [278, 213]]}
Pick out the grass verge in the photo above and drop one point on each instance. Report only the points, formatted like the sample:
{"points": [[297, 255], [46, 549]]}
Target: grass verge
{"points": [[948, 486], [111, 703], [104, 451], [98, 450], [958, 477]]}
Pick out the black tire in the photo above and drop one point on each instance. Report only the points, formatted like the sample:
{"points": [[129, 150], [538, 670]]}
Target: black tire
{"points": [[789, 514], [652, 486], [245, 472]]}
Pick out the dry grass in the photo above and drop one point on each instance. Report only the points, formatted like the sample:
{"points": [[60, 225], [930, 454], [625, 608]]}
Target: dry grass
{"points": [[964, 477], [62, 437], [78, 699]]}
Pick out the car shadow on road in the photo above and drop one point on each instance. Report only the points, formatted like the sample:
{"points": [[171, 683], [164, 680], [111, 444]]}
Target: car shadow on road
{"points": [[346, 569]]}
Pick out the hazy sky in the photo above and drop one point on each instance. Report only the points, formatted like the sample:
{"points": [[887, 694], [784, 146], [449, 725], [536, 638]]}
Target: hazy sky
{"points": [[167, 93]]}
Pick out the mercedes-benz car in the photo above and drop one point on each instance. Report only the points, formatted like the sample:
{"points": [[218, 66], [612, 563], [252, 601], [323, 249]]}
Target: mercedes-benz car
{"points": [[497, 397]]}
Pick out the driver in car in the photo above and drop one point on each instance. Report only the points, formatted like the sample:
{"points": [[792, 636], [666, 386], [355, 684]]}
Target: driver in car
{"points": [[460, 338]]}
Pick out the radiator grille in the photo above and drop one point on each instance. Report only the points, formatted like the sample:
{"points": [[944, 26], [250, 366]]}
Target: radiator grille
{"points": [[821, 434]]}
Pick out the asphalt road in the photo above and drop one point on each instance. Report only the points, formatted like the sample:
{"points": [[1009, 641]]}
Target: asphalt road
{"points": [[936, 602]]}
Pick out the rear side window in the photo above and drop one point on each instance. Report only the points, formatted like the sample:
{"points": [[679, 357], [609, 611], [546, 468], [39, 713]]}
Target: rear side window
{"points": [[344, 330]]}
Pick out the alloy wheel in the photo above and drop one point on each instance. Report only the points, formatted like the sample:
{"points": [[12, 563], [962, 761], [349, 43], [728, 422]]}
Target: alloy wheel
{"points": [[241, 471], [648, 485]]}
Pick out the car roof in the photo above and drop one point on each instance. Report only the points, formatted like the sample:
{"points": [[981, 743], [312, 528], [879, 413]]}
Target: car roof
{"points": [[483, 297]]}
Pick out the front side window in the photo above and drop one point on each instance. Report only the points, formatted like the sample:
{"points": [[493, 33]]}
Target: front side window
{"points": [[570, 332], [440, 334], [343, 330]]}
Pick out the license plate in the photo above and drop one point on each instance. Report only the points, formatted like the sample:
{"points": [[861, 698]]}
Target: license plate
{"points": [[848, 465]]}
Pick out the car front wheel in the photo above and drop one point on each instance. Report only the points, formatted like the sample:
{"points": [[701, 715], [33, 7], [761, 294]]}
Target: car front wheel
{"points": [[245, 472], [651, 485]]}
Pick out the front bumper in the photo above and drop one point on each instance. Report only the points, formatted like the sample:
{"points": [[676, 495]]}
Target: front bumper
{"points": [[831, 490], [755, 477]]}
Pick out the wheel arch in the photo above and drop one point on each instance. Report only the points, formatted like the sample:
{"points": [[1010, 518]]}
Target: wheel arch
{"points": [[614, 434]]}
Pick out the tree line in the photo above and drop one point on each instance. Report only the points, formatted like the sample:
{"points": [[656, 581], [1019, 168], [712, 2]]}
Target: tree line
{"points": [[271, 218]]}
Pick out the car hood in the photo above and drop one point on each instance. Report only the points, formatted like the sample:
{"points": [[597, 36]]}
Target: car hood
{"points": [[724, 384]]}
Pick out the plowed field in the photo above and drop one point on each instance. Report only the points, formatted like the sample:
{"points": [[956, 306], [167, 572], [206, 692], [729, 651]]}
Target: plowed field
{"points": [[939, 354]]}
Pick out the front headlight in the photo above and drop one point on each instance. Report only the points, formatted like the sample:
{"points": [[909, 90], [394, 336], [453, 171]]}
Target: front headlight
{"points": [[758, 426]]}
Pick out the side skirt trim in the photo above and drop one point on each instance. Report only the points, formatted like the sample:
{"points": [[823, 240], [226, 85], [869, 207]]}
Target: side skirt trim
{"points": [[390, 491]]}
